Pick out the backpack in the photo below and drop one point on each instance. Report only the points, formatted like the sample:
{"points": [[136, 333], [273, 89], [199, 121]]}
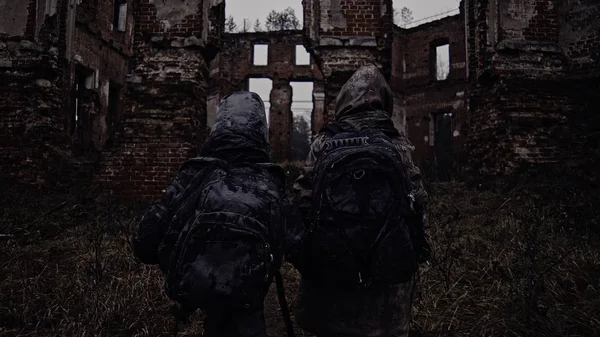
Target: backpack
{"points": [[228, 229], [361, 232]]}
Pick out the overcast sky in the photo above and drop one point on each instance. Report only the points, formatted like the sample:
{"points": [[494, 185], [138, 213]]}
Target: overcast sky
{"points": [[258, 9]]}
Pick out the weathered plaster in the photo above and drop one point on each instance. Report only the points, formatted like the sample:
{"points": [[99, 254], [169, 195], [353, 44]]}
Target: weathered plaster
{"points": [[13, 17], [172, 12], [332, 15]]}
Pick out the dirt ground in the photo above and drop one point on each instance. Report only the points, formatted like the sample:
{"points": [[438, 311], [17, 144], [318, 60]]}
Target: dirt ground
{"points": [[512, 260]]}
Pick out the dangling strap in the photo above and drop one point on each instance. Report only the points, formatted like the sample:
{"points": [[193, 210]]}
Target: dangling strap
{"points": [[181, 315], [283, 304]]}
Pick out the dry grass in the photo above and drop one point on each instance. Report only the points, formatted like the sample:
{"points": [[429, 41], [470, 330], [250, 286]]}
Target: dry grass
{"points": [[517, 261], [522, 262]]}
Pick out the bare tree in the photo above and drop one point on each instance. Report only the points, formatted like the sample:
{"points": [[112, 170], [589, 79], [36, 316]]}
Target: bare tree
{"points": [[230, 25], [406, 16], [257, 26], [403, 17], [285, 20]]}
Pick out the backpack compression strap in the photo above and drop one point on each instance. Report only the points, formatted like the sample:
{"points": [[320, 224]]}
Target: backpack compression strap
{"points": [[285, 311]]}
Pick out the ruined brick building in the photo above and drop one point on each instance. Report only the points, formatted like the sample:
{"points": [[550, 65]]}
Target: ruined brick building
{"points": [[120, 92]]}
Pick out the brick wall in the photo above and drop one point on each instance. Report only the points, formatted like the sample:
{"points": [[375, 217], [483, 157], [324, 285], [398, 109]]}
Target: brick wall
{"points": [[165, 114], [420, 96], [235, 62], [169, 18], [530, 122], [532, 20], [532, 86], [163, 126], [99, 47], [33, 142], [529, 103], [160, 117], [580, 35], [353, 18], [34, 147]]}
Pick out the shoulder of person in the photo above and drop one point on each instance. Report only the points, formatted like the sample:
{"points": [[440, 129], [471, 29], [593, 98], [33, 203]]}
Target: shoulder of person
{"points": [[403, 144]]}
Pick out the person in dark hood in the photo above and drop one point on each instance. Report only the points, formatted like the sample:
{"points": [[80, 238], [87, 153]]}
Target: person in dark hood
{"points": [[229, 191], [240, 131], [364, 102]]}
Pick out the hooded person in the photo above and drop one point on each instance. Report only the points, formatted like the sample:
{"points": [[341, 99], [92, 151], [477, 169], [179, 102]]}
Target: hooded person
{"points": [[216, 232], [365, 102]]}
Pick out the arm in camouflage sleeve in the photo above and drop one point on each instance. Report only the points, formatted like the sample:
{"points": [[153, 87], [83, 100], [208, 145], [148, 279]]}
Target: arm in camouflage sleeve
{"points": [[421, 197], [302, 189], [153, 225], [405, 149]]}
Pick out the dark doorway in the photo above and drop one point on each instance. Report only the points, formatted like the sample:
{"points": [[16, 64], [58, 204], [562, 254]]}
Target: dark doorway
{"points": [[114, 97], [443, 144]]}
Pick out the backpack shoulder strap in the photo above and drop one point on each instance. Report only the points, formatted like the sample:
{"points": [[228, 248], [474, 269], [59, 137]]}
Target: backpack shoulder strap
{"points": [[330, 129], [196, 181]]}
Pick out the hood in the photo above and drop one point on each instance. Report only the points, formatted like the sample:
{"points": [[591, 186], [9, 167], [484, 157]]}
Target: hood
{"points": [[366, 91], [240, 131]]}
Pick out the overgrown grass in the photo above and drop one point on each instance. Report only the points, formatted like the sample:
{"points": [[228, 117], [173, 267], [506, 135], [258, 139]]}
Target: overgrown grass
{"points": [[522, 260], [519, 260]]}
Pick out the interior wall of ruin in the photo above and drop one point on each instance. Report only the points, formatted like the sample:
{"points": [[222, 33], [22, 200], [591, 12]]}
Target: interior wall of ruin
{"points": [[166, 99], [422, 97], [530, 103]]}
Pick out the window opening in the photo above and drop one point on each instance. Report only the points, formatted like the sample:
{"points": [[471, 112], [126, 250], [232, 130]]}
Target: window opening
{"points": [[260, 56], [302, 108], [302, 56], [442, 62], [120, 15]]}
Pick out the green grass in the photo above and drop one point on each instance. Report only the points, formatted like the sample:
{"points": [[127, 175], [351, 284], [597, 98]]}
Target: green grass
{"points": [[518, 260]]}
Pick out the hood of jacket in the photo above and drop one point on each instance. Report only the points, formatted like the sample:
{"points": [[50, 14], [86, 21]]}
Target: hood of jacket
{"points": [[240, 131], [366, 100]]}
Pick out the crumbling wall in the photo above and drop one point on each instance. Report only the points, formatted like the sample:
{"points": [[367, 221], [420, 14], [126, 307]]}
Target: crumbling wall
{"points": [[100, 48], [420, 97], [34, 145], [235, 65], [165, 116], [579, 34], [33, 141], [42, 142], [529, 103], [352, 18]]}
